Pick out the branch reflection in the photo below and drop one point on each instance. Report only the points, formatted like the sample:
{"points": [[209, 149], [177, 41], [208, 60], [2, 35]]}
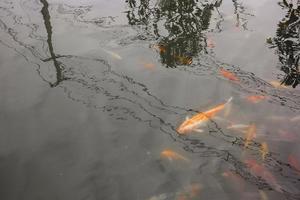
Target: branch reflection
{"points": [[287, 43]]}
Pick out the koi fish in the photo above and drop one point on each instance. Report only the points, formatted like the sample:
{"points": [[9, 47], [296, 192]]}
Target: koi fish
{"points": [[160, 48], [159, 197], [294, 163], [147, 65], [286, 136], [238, 126], [235, 178], [200, 119], [190, 192], [263, 195], [264, 150], [261, 171], [229, 75], [295, 119], [184, 60], [113, 54], [251, 134], [171, 155], [255, 98], [277, 84]]}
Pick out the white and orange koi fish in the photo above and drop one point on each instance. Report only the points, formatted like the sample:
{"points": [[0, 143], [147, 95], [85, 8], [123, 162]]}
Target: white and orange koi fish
{"points": [[200, 119]]}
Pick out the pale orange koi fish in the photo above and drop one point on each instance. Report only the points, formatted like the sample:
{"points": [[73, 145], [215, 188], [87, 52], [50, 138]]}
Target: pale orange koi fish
{"points": [[147, 65], [286, 136], [251, 134], [198, 120], [190, 192], [294, 163], [238, 126], [263, 195], [113, 54], [229, 75], [295, 119], [261, 171], [235, 178], [277, 84], [255, 98], [210, 43], [171, 155], [264, 150]]}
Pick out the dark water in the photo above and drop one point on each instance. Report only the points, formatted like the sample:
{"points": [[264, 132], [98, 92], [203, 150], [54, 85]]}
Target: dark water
{"points": [[92, 94]]}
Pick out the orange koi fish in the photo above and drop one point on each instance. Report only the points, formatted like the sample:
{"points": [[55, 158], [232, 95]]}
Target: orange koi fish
{"points": [[190, 192], [264, 150], [158, 47], [171, 155], [251, 134], [261, 171], [255, 98], [147, 65], [229, 75], [263, 195], [200, 119], [294, 163]]}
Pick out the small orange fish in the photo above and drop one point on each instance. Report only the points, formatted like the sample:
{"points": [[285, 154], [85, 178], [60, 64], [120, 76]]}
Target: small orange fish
{"points": [[200, 119], [264, 150], [171, 155], [229, 75], [159, 47], [190, 192], [238, 182], [251, 134], [147, 65], [255, 98], [294, 163], [261, 171]]}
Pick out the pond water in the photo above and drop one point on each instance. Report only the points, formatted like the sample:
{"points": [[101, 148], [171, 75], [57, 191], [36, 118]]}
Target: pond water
{"points": [[149, 99]]}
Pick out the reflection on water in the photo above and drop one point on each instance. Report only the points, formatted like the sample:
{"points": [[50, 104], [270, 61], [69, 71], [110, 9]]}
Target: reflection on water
{"points": [[180, 26], [58, 65], [138, 151], [287, 43]]}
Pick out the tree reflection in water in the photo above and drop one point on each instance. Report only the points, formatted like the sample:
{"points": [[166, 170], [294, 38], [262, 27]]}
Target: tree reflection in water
{"points": [[287, 43], [178, 26]]}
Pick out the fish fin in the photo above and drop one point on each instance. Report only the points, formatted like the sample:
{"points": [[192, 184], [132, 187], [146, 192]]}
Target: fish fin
{"points": [[229, 100], [199, 130]]}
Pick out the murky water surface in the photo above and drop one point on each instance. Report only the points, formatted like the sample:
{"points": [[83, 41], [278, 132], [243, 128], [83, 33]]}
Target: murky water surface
{"points": [[131, 100]]}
